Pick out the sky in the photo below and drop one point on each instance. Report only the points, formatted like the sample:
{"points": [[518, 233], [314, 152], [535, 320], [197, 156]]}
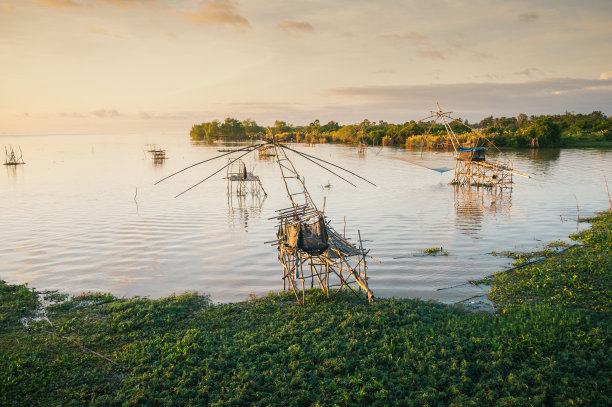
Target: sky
{"points": [[134, 66]]}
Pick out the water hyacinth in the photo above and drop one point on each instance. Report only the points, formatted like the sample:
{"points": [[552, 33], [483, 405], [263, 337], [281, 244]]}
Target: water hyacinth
{"points": [[548, 344]]}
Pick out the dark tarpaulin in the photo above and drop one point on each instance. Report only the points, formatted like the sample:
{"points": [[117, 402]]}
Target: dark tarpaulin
{"points": [[310, 237]]}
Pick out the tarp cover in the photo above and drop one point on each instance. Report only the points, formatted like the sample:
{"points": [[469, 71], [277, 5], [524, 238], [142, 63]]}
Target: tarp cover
{"points": [[472, 149], [310, 237]]}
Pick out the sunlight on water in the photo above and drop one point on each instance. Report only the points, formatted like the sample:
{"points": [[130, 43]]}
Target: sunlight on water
{"points": [[83, 214]]}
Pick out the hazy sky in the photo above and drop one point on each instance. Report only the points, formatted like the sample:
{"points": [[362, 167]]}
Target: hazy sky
{"points": [[96, 66]]}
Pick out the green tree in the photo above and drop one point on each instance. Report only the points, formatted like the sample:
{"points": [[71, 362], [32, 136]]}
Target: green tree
{"points": [[546, 131], [281, 127], [233, 128], [251, 128]]}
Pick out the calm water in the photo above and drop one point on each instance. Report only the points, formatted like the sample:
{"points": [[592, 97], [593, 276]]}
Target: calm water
{"points": [[83, 215]]}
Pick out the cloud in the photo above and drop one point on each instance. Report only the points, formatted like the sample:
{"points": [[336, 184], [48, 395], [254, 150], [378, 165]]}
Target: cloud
{"points": [[528, 17], [482, 55], [6, 7], [185, 115], [457, 44], [458, 41], [102, 31], [431, 54], [606, 75], [421, 41], [384, 71], [127, 3], [294, 26], [221, 12], [478, 100], [60, 3], [529, 72], [73, 115], [106, 113], [488, 76], [413, 37]]}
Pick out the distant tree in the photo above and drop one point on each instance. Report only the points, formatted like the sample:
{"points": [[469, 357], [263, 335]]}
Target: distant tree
{"points": [[281, 127], [314, 128], [546, 131], [347, 134], [330, 126], [486, 122], [233, 128], [251, 128]]}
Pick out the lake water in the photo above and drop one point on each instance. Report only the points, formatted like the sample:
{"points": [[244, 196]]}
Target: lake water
{"points": [[83, 215]]}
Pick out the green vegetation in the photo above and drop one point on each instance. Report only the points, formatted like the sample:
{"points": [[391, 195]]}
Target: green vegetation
{"points": [[433, 251], [567, 130], [578, 278], [548, 344], [229, 129]]}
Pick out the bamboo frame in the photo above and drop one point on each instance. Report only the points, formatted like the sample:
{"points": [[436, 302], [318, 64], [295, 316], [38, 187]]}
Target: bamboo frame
{"points": [[337, 262], [242, 182], [11, 158], [340, 265], [468, 170]]}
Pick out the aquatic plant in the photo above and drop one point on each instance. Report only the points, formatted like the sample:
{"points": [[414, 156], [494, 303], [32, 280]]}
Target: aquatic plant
{"points": [[548, 344]]}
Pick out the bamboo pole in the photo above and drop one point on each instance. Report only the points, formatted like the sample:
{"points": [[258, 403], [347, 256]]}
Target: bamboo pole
{"points": [[608, 189]]}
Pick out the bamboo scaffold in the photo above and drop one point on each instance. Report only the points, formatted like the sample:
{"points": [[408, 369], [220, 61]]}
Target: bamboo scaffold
{"points": [[10, 158], [241, 182], [309, 249], [471, 165], [158, 154]]}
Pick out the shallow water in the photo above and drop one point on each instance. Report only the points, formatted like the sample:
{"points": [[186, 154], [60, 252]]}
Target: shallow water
{"points": [[83, 214]]}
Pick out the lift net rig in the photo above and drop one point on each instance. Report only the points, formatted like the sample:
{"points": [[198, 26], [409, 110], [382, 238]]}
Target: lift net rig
{"points": [[309, 249], [471, 166]]}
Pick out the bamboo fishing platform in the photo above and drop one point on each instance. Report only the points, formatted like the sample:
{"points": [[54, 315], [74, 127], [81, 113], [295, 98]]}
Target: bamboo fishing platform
{"points": [[471, 165], [309, 249], [10, 158], [473, 171], [242, 182], [157, 153]]}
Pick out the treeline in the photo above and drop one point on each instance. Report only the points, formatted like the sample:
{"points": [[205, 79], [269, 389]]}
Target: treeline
{"points": [[522, 131]]}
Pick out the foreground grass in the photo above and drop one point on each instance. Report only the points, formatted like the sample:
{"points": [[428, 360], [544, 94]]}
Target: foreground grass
{"points": [[549, 344]]}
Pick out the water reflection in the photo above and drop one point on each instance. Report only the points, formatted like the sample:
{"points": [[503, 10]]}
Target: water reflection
{"points": [[13, 172], [242, 208], [158, 154], [265, 153], [473, 204], [75, 224], [543, 159]]}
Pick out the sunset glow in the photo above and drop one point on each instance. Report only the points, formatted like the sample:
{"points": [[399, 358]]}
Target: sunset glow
{"points": [[121, 66]]}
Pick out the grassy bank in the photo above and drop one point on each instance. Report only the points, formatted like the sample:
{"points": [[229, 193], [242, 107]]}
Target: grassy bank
{"points": [[548, 344]]}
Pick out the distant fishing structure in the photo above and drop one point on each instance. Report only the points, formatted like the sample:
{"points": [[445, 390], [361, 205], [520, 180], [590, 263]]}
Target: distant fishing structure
{"points": [[471, 165], [361, 144], [242, 182], [10, 158], [309, 249], [265, 152], [157, 153]]}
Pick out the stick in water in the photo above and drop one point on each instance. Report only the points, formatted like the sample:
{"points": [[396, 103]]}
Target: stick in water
{"points": [[608, 189]]}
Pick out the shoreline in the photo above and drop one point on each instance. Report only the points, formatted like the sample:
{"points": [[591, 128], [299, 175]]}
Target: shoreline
{"points": [[547, 343]]}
